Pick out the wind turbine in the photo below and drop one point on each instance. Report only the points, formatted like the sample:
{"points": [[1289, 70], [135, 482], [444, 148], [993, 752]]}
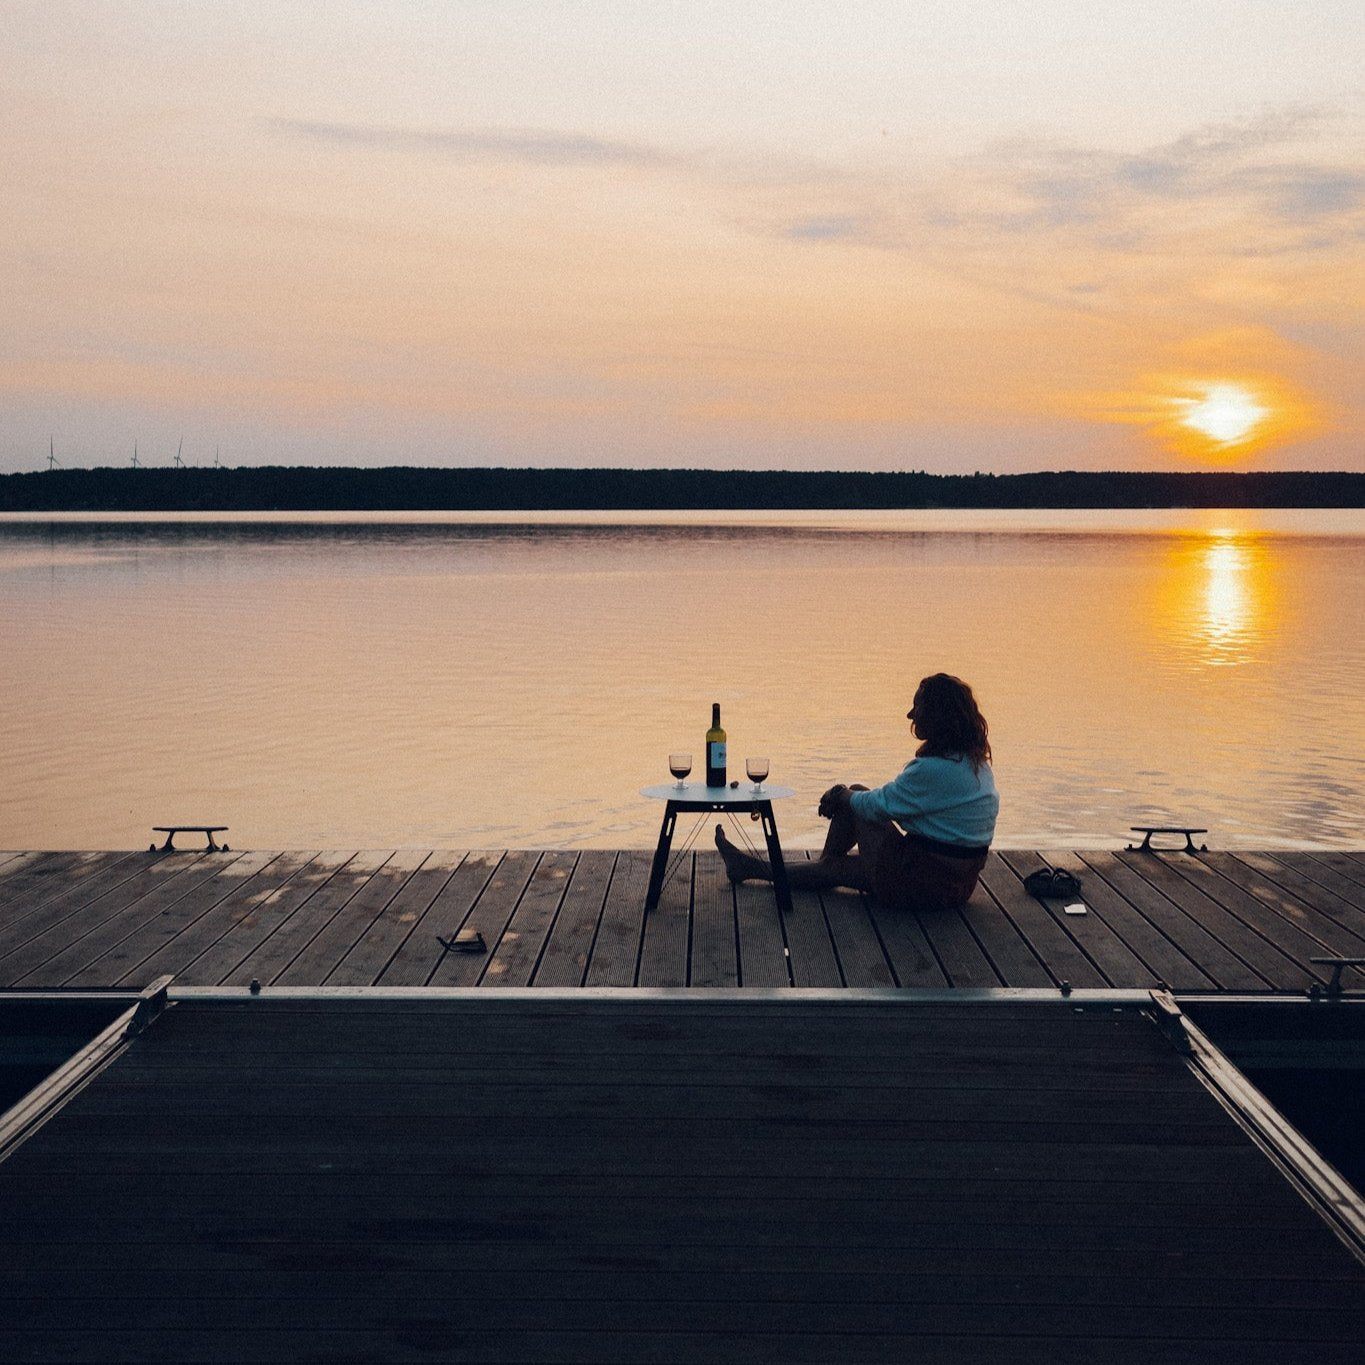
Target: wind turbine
{"points": [[179, 463], [135, 464], [52, 460], [215, 457]]}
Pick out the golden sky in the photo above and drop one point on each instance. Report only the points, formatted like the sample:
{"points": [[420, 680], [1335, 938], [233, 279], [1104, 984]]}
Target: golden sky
{"points": [[1001, 236]]}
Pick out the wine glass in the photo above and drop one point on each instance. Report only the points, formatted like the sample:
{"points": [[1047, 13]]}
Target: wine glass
{"points": [[757, 768], [680, 765]]}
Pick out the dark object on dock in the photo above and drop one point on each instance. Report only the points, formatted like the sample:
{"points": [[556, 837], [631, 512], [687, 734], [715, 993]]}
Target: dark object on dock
{"points": [[1052, 882], [1148, 830], [466, 941], [170, 831], [1334, 986]]}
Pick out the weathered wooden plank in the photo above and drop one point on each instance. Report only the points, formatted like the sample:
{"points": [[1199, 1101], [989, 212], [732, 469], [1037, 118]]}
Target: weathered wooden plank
{"points": [[513, 960], [810, 945], [1241, 1263], [1348, 865], [557, 1065], [53, 929], [1305, 888], [668, 930], [1331, 933], [414, 962], [1147, 1202], [296, 931], [624, 1053], [938, 1113], [1116, 964], [1321, 870], [907, 947], [610, 1314], [1109, 961], [489, 916], [656, 1149], [1000, 921], [565, 959], [82, 949], [616, 949], [208, 950], [958, 953], [1292, 939], [317, 959], [1116, 933], [708, 1035], [140, 941], [762, 942], [1266, 958], [1049, 936], [407, 1271], [913, 1339], [11, 863], [395, 922], [58, 885], [490, 1046], [862, 959], [691, 1220], [48, 875], [1217, 962], [715, 944]]}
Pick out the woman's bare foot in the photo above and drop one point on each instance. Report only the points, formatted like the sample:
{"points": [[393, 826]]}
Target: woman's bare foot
{"points": [[739, 866]]}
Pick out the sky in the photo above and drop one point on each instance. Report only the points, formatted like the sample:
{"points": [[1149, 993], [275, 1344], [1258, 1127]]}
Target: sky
{"points": [[1044, 234]]}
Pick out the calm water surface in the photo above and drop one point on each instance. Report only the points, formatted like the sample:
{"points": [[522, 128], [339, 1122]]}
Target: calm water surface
{"points": [[457, 681]]}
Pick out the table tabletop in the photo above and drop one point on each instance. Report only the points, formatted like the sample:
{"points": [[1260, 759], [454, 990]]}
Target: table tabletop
{"points": [[739, 797]]}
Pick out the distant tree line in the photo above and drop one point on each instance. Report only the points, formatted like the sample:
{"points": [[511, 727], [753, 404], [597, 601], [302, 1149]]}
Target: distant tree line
{"points": [[297, 489]]}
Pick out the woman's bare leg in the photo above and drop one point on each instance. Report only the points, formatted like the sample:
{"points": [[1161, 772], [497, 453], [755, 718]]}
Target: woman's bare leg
{"points": [[847, 869], [842, 837], [848, 831], [838, 865]]}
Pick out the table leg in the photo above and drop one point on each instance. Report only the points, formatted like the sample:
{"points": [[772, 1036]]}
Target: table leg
{"points": [[656, 872], [781, 886]]}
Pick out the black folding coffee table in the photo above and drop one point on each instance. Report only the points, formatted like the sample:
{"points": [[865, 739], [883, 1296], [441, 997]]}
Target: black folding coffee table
{"points": [[694, 796]]}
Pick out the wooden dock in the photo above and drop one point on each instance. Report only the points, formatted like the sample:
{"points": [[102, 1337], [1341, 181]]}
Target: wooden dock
{"points": [[1244, 921], [741, 1176]]}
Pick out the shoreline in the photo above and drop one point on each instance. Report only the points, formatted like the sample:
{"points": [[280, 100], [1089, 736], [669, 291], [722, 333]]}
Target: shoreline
{"points": [[273, 488]]}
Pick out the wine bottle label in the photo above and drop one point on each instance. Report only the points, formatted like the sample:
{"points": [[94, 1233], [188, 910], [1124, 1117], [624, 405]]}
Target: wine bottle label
{"points": [[715, 755]]}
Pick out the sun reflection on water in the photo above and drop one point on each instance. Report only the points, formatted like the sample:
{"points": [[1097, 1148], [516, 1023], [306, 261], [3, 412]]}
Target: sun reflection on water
{"points": [[1217, 599], [1230, 622]]}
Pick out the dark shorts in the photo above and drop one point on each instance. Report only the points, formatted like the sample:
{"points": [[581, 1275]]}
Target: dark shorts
{"points": [[915, 873]]}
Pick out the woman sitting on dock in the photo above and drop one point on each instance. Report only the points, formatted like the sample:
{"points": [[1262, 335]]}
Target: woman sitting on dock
{"points": [[944, 801]]}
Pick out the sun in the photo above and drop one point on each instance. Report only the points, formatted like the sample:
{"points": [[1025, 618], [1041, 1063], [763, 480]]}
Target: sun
{"points": [[1214, 419], [1228, 414]]}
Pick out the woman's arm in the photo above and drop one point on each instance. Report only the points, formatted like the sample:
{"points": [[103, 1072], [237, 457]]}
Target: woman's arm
{"points": [[911, 792]]}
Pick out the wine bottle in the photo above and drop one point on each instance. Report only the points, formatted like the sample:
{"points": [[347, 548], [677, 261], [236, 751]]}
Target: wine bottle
{"points": [[715, 750]]}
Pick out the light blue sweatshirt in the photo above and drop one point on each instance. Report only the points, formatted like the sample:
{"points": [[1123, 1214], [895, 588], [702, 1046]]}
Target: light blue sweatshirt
{"points": [[941, 798]]}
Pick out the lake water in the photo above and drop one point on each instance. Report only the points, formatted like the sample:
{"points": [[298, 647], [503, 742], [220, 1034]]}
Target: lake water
{"points": [[496, 681]]}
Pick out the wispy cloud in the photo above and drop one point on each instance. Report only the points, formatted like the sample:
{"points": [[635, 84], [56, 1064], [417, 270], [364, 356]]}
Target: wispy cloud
{"points": [[1243, 165], [1258, 221], [1255, 187], [531, 146]]}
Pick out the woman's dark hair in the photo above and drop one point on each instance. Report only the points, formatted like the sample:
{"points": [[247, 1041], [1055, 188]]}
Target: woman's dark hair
{"points": [[948, 720]]}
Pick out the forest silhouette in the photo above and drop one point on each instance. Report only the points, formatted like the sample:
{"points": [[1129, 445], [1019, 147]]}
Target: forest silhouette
{"points": [[324, 488]]}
